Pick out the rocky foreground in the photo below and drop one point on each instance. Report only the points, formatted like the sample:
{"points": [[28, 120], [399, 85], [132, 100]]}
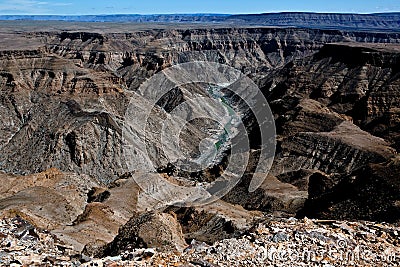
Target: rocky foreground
{"points": [[272, 242]]}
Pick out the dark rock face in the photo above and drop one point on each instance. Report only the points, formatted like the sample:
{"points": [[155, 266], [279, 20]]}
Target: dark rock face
{"points": [[371, 193], [159, 230], [62, 105], [215, 221]]}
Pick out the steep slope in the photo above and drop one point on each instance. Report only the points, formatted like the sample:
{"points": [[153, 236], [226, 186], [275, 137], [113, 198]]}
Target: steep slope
{"points": [[337, 114]]}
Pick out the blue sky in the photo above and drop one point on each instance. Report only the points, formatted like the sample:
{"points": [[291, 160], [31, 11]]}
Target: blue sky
{"points": [[76, 7]]}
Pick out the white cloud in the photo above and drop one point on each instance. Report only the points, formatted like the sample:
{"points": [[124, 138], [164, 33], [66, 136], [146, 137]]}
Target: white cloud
{"points": [[28, 6]]}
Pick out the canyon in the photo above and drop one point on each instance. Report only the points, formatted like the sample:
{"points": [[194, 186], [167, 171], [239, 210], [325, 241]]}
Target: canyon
{"points": [[384, 22], [64, 95]]}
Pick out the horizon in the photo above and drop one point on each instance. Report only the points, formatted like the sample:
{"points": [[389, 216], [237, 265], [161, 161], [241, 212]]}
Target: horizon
{"points": [[200, 13], [176, 7]]}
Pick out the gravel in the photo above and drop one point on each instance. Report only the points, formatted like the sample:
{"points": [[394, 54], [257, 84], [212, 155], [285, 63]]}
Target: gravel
{"points": [[273, 242]]}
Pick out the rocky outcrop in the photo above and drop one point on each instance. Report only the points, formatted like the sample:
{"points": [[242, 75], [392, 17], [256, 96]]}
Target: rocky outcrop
{"points": [[215, 221], [50, 199], [370, 193], [149, 229], [342, 150], [273, 196]]}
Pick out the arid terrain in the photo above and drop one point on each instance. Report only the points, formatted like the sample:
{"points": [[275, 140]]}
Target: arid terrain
{"points": [[64, 94]]}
